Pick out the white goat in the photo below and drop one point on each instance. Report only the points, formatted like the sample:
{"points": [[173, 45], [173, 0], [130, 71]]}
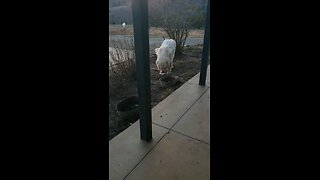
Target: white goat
{"points": [[165, 55]]}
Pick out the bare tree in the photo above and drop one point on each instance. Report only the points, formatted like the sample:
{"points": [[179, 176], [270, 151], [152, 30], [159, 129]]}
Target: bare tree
{"points": [[177, 17]]}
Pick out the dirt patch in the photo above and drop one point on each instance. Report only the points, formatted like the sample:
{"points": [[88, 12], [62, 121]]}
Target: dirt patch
{"points": [[185, 66]]}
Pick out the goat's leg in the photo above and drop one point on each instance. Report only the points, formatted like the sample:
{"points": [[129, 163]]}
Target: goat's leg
{"points": [[157, 66], [168, 70]]}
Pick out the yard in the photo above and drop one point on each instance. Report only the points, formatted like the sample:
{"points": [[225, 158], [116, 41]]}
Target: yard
{"points": [[185, 66]]}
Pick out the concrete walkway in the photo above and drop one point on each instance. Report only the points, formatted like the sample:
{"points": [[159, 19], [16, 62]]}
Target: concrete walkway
{"points": [[180, 148]]}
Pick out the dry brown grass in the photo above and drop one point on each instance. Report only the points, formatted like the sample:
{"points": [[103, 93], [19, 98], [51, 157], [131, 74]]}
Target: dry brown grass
{"points": [[154, 31], [121, 64]]}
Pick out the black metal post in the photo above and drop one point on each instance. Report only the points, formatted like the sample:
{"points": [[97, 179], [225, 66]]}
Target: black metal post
{"points": [[205, 51], [141, 44]]}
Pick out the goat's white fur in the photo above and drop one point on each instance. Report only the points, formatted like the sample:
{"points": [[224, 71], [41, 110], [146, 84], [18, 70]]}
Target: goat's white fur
{"points": [[165, 55]]}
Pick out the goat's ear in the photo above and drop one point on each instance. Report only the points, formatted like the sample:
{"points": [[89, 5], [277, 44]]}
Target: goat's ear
{"points": [[156, 50]]}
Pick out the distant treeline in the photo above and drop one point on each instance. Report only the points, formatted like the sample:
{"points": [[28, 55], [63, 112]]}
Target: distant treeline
{"points": [[120, 14], [120, 10]]}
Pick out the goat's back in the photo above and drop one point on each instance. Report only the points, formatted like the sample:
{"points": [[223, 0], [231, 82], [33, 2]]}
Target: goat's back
{"points": [[166, 50], [169, 43]]}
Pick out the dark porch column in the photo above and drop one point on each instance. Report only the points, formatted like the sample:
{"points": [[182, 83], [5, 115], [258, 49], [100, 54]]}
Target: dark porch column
{"points": [[141, 44], [205, 51]]}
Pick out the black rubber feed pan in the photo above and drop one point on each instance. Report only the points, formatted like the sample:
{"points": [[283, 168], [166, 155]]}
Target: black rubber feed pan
{"points": [[168, 80], [128, 108]]}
